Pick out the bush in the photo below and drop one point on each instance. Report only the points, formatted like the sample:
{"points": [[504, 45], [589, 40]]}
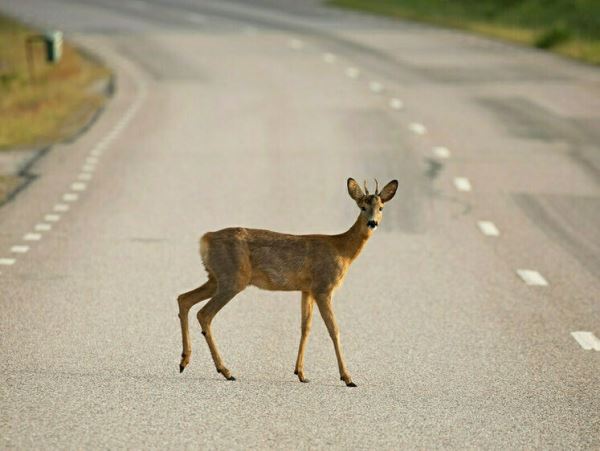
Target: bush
{"points": [[552, 37]]}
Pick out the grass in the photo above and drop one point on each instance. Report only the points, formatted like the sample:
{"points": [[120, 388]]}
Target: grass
{"points": [[568, 27], [47, 110], [54, 107]]}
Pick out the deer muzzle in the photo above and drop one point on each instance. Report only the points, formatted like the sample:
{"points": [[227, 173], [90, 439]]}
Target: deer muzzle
{"points": [[372, 224]]}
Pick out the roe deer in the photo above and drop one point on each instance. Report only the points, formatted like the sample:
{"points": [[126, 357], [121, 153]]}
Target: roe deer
{"points": [[313, 264]]}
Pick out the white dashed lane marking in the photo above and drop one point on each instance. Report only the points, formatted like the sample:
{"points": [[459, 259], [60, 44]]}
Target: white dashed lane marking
{"points": [[87, 168], [441, 152], [532, 277], [587, 340], [196, 18], [137, 4], [70, 197], [352, 72], [61, 207], [43, 227], [78, 186], [296, 44], [329, 58], [462, 184], [375, 87], [417, 128], [396, 104], [488, 228]]}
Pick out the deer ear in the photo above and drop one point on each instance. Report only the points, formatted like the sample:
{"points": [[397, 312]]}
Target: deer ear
{"points": [[388, 191], [354, 190]]}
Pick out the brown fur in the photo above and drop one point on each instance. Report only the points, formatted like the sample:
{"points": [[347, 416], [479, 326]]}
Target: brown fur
{"points": [[313, 264]]}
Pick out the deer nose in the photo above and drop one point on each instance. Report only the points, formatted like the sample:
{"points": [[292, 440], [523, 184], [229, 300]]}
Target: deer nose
{"points": [[372, 224]]}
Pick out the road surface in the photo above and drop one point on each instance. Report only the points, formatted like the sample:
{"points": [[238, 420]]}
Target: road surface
{"points": [[457, 319]]}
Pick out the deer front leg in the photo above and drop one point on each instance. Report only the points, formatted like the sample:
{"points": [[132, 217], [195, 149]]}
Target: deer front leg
{"points": [[308, 303], [326, 308]]}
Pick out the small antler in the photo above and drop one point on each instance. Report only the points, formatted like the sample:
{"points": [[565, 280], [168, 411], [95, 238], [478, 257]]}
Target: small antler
{"points": [[366, 189], [376, 187]]}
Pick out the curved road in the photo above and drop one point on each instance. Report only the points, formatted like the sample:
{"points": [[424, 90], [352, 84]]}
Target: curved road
{"points": [[457, 320]]}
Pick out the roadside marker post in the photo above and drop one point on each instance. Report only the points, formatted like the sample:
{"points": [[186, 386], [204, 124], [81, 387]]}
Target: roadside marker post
{"points": [[53, 45]]}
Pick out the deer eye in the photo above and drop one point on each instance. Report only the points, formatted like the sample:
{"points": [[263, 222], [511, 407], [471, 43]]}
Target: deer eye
{"points": [[363, 208], [380, 208]]}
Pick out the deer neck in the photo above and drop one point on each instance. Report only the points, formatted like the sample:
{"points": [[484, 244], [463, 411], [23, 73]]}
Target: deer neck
{"points": [[353, 240]]}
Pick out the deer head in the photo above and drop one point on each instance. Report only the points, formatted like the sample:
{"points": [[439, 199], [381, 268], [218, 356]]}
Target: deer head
{"points": [[371, 205]]}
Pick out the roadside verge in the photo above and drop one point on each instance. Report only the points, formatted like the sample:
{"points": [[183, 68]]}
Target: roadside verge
{"points": [[562, 26], [55, 105]]}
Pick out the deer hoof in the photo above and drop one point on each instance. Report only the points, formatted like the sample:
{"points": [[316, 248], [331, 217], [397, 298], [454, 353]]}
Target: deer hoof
{"points": [[226, 374], [301, 377], [351, 384], [181, 368]]}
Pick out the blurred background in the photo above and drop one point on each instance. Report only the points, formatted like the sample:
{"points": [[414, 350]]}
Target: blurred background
{"points": [[128, 128]]}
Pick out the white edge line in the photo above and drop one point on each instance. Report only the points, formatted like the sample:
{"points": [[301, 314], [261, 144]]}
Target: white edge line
{"points": [[61, 207], [78, 186], [43, 227], [70, 197]]}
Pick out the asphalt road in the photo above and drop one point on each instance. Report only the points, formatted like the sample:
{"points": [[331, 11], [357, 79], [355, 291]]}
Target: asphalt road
{"points": [[229, 114]]}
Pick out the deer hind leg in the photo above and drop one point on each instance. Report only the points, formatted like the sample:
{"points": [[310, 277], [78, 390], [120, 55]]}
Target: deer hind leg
{"points": [[205, 317], [186, 301], [308, 303], [326, 308]]}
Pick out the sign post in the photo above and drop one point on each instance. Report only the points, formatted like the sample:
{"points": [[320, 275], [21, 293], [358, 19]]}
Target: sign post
{"points": [[53, 42]]}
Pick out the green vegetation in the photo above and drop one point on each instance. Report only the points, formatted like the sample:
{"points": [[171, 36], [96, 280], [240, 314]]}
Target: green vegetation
{"points": [[54, 107], [40, 112], [569, 27]]}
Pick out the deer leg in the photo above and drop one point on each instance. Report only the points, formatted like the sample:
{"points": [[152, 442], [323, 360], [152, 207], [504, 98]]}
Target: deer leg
{"points": [[205, 317], [308, 303], [187, 301], [326, 309]]}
